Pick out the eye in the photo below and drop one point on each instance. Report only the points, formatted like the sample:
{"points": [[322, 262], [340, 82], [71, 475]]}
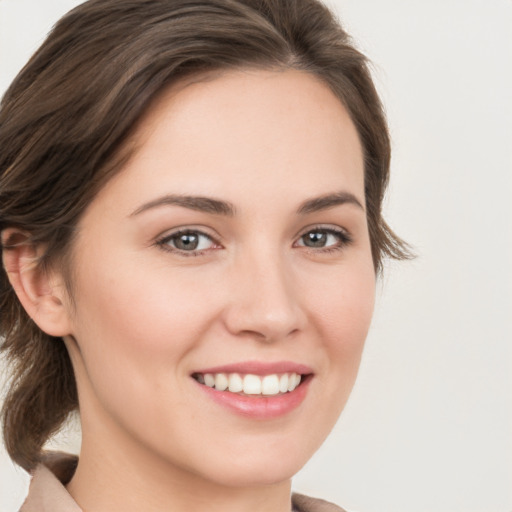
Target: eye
{"points": [[325, 238], [188, 242]]}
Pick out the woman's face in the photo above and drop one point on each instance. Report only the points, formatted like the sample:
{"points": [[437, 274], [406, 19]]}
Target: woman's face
{"points": [[232, 249]]}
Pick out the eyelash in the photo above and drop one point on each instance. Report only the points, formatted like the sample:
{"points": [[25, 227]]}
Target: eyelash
{"points": [[344, 240], [163, 242]]}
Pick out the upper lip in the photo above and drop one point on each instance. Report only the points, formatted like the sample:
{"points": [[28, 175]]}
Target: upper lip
{"points": [[259, 368]]}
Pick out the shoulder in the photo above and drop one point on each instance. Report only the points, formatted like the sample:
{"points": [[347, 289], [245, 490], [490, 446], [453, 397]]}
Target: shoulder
{"points": [[303, 503]]}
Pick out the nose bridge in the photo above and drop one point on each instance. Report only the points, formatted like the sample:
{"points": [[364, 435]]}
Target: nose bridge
{"points": [[265, 301]]}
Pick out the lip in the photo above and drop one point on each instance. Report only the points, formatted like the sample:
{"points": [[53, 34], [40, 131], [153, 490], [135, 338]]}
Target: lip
{"points": [[259, 407], [259, 368]]}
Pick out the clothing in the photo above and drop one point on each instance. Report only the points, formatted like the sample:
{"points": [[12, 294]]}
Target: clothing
{"points": [[48, 494]]}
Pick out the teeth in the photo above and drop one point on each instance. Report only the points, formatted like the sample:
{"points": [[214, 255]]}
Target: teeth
{"points": [[268, 385], [235, 383], [293, 381], [252, 385], [221, 381], [209, 380], [283, 383]]}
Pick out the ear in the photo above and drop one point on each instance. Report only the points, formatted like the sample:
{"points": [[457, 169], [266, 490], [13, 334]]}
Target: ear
{"points": [[42, 293]]}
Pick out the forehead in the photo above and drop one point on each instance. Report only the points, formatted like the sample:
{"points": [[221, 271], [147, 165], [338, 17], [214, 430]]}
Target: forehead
{"points": [[244, 128]]}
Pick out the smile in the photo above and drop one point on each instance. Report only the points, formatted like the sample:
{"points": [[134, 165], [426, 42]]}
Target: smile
{"points": [[250, 384], [255, 389]]}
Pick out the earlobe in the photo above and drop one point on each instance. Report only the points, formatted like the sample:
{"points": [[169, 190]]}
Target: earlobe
{"points": [[42, 293]]}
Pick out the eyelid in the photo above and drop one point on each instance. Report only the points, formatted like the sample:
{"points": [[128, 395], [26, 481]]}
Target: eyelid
{"points": [[162, 240], [323, 227], [345, 239], [345, 236]]}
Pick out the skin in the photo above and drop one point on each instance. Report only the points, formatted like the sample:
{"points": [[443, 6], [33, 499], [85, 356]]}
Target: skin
{"points": [[145, 315]]}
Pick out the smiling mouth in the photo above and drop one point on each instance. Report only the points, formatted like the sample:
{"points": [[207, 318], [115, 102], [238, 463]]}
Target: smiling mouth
{"points": [[250, 384]]}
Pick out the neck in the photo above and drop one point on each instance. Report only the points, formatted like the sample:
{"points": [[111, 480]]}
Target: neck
{"points": [[116, 474]]}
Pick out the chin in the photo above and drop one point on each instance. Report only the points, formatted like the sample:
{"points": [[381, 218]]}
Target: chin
{"points": [[263, 462], [252, 463], [249, 474]]}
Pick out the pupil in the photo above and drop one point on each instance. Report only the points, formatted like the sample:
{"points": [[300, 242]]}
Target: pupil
{"points": [[189, 242], [316, 239]]}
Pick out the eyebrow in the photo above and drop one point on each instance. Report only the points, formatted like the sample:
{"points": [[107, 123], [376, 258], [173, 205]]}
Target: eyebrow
{"points": [[199, 203], [221, 207], [327, 201]]}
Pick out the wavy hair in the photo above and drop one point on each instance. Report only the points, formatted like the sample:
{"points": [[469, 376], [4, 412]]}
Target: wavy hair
{"points": [[67, 117]]}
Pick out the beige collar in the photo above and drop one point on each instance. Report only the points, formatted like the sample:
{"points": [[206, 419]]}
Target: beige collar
{"points": [[47, 492]]}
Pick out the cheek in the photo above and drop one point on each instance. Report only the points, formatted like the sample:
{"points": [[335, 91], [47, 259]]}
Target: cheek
{"points": [[344, 310], [135, 337], [345, 305], [135, 334], [341, 312], [144, 312]]}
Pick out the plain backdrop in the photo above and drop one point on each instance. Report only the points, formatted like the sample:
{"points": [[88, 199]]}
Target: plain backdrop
{"points": [[429, 425]]}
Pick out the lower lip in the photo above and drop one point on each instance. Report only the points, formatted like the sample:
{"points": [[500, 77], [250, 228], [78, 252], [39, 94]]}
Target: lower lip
{"points": [[260, 407]]}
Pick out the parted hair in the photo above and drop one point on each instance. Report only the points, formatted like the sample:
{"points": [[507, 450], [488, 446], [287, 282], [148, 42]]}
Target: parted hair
{"points": [[67, 118]]}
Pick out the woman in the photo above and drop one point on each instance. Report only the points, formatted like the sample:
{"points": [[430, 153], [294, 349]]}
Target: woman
{"points": [[190, 207]]}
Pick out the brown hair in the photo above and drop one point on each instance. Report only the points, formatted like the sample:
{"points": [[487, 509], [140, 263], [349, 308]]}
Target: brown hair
{"points": [[71, 109]]}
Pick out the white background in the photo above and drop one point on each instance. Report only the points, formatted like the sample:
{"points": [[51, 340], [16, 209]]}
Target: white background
{"points": [[429, 425]]}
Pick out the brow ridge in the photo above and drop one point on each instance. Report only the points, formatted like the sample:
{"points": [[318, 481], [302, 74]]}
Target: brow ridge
{"points": [[327, 201], [199, 203], [221, 207]]}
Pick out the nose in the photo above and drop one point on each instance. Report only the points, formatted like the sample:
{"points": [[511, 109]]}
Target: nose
{"points": [[265, 301]]}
